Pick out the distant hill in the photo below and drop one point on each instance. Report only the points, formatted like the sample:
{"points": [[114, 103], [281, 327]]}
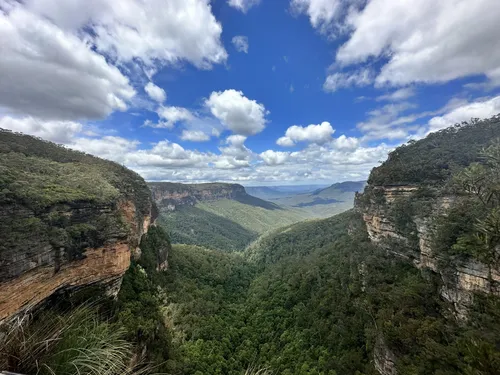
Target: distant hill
{"points": [[313, 201], [342, 187], [169, 196], [271, 192], [217, 215]]}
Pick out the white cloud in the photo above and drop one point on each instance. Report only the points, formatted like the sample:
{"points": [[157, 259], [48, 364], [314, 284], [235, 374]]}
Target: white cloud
{"points": [[236, 112], [173, 115], [55, 131], [318, 134], [59, 59], [235, 154], [108, 147], [345, 143], [479, 109], [156, 93], [194, 136], [390, 122], [271, 157], [152, 31], [158, 125], [291, 88], [240, 42], [322, 13], [436, 41], [243, 5], [51, 74], [401, 94], [338, 80], [339, 159]]}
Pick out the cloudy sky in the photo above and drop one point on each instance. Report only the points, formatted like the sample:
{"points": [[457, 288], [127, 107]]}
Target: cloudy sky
{"points": [[251, 91]]}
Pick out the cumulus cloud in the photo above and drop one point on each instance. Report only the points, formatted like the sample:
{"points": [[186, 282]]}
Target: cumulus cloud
{"points": [[150, 31], [194, 136], [479, 109], [236, 112], [243, 5], [173, 115], [338, 80], [433, 42], [51, 74], [271, 157], [55, 131], [240, 42], [322, 14], [318, 134], [59, 59], [346, 143], [156, 93]]}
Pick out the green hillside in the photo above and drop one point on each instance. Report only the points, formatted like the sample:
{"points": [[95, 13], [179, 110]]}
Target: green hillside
{"points": [[319, 307], [225, 224]]}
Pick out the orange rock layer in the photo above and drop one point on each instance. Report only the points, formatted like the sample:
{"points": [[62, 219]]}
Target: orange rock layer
{"points": [[99, 265]]}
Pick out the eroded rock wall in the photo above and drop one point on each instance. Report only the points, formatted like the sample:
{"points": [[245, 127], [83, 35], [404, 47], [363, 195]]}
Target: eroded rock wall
{"points": [[461, 279], [171, 195], [38, 262]]}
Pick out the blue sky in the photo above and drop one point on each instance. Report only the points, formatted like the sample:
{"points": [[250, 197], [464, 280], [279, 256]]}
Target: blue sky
{"points": [[268, 92]]}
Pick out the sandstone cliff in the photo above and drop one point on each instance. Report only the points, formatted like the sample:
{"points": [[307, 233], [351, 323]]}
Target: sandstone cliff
{"points": [[67, 220], [461, 278], [170, 196]]}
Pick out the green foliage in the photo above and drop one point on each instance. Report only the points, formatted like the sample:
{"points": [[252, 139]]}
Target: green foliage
{"points": [[78, 342], [225, 224], [298, 239], [39, 174], [139, 308], [63, 198], [432, 160], [472, 225], [313, 298], [195, 226]]}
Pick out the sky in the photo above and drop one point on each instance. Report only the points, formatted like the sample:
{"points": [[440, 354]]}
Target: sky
{"points": [[258, 92]]}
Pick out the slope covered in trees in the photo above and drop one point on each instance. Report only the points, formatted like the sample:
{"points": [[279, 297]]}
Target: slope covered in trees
{"points": [[224, 224], [319, 307], [434, 159]]}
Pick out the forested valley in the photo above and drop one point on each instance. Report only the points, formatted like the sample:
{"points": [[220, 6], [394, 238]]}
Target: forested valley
{"points": [[335, 296]]}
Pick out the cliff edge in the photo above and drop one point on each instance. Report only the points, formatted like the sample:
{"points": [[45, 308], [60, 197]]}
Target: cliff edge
{"points": [[417, 207], [67, 219]]}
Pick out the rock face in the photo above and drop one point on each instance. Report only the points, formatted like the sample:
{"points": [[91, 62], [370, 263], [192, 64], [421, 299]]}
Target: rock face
{"points": [[460, 280], [170, 196], [67, 220], [383, 358]]}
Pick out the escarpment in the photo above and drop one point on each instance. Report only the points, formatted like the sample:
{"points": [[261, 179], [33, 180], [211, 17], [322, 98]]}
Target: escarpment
{"points": [[414, 208], [171, 195], [67, 220]]}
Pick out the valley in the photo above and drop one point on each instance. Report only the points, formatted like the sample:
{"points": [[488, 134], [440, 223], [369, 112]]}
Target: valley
{"points": [[207, 279]]}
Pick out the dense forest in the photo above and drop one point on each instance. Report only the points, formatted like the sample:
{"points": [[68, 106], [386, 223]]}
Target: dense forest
{"points": [[311, 298]]}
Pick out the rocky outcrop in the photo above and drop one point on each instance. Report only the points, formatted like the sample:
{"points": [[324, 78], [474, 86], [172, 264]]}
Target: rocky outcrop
{"points": [[67, 220], [383, 358], [460, 279], [34, 269], [169, 196]]}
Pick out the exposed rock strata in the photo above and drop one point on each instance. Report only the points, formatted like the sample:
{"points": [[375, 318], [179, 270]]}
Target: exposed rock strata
{"points": [[170, 196], [461, 281], [31, 273]]}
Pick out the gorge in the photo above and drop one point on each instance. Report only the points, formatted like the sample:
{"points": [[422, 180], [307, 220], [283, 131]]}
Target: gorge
{"points": [[407, 282]]}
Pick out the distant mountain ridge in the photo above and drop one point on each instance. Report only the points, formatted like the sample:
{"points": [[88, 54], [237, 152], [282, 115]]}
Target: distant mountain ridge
{"points": [[346, 186], [170, 196], [270, 192]]}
